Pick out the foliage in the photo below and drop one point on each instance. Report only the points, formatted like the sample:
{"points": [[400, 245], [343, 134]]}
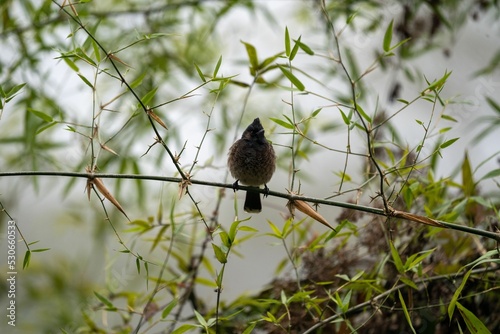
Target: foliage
{"points": [[411, 250]]}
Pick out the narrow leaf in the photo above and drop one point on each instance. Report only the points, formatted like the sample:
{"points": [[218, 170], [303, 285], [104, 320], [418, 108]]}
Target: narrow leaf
{"points": [[252, 57], [448, 143], [170, 306], [42, 115], [104, 191], [284, 124], [200, 73], [453, 302], [473, 323], [468, 185], [219, 254], [287, 42], [363, 114], [85, 81], [217, 67], [305, 48], [397, 260], [405, 311], [293, 79], [27, 258], [388, 37]]}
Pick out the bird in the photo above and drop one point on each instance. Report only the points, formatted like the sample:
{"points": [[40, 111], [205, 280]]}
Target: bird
{"points": [[252, 161]]}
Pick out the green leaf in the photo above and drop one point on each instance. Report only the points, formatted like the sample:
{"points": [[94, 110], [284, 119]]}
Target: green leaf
{"points": [[491, 174], [408, 282], [138, 81], [453, 302], [105, 301], [40, 250], [170, 306], [276, 230], [200, 318], [149, 96], [138, 265], [284, 124], [347, 120], [438, 84], [85, 81], [14, 90], [226, 240], [42, 115], [448, 143], [252, 57], [219, 254], [293, 79], [304, 47], [473, 323], [363, 114], [405, 311], [493, 104], [267, 61], [27, 258], [97, 52], [448, 118], [294, 51], [232, 231], [287, 42], [388, 37], [250, 328], [71, 64], [397, 260], [184, 328], [217, 67], [200, 73], [468, 185], [316, 112], [45, 127]]}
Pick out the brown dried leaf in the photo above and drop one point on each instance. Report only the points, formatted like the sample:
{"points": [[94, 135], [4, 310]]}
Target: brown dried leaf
{"points": [[106, 148], [112, 56], [308, 210], [417, 218], [104, 191], [183, 185], [156, 118]]}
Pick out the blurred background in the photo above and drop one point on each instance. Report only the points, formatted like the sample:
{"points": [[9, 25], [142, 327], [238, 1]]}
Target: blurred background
{"points": [[73, 111]]}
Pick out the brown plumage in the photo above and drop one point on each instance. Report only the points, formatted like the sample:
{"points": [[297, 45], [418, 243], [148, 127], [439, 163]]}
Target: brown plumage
{"points": [[252, 162]]}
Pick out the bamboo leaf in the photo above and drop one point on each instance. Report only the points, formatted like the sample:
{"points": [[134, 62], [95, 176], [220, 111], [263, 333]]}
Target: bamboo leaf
{"points": [[170, 306], [284, 124], [397, 259], [252, 57], [41, 114], [200, 73], [448, 143], [473, 323], [293, 79], [219, 254], [388, 37], [453, 302], [217, 67], [405, 311], [287, 42]]}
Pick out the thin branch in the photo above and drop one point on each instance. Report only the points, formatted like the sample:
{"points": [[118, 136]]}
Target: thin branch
{"points": [[291, 197]]}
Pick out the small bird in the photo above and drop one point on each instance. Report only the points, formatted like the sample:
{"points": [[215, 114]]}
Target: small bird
{"points": [[252, 162]]}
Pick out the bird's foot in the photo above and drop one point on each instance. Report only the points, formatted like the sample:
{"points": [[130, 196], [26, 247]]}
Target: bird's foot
{"points": [[236, 186], [266, 190]]}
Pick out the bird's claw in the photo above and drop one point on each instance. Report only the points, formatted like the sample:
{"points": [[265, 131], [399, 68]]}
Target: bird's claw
{"points": [[236, 186], [266, 190]]}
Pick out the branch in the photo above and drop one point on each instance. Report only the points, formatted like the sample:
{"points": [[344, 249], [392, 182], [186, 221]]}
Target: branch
{"points": [[291, 197]]}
